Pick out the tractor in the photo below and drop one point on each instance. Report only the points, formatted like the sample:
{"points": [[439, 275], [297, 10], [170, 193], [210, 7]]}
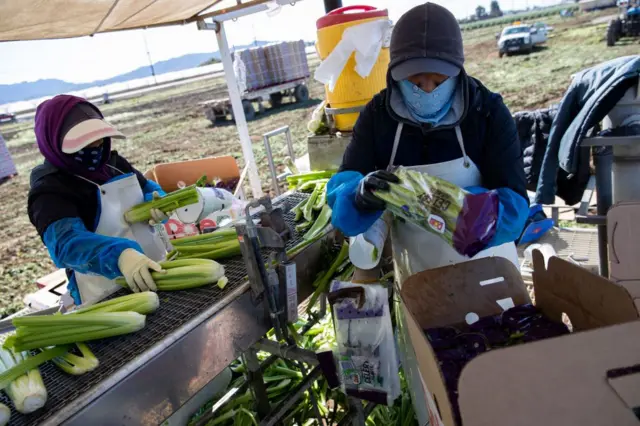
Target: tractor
{"points": [[627, 24]]}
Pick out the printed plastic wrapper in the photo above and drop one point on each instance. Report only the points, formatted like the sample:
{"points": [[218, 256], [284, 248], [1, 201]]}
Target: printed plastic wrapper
{"points": [[465, 221], [366, 351]]}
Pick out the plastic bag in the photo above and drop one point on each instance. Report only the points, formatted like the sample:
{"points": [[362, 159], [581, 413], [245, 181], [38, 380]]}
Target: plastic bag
{"points": [[368, 365], [465, 221], [366, 40], [240, 71]]}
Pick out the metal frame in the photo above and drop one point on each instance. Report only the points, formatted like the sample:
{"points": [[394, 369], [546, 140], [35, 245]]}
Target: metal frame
{"points": [[602, 183], [275, 179]]}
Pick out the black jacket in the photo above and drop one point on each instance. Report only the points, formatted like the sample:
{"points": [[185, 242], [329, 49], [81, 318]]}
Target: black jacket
{"points": [[488, 130], [430, 31], [534, 128], [55, 194]]}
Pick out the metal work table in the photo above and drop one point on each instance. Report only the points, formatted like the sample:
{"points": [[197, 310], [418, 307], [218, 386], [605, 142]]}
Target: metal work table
{"points": [[146, 376]]}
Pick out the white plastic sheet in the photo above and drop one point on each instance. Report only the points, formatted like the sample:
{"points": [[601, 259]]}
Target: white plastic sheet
{"points": [[366, 40], [240, 70]]}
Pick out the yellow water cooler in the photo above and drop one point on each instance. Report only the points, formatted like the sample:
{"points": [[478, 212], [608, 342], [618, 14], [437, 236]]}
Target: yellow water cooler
{"points": [[351, 92]]}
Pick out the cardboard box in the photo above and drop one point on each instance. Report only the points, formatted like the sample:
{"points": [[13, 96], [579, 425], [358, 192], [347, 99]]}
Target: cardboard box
{"points": [[623, 236], [572, 380], [445, 296], [171, 176]]}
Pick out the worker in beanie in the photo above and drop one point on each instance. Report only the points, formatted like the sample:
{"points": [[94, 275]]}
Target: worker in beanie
{"points": [[435, 118], [78, 197]]}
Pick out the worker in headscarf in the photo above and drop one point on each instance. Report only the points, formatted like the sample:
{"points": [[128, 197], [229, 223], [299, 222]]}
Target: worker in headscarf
{"points": [[434, 118], [78, 198]]}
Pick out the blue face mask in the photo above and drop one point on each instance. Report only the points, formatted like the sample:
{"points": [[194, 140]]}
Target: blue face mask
{"points": [[89, 158], [428, 107]]}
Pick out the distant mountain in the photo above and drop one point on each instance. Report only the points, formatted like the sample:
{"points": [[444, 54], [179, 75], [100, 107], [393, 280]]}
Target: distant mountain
{"points": [[48, 87]]}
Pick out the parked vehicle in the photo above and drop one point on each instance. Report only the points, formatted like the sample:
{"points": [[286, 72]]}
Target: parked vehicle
{"points": [[265, 73], [220, 109], [627, 24], [7, 117], [520, 38]]}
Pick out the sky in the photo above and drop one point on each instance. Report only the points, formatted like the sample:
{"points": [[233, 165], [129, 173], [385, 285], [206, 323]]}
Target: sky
{"points": [[106, 55]]}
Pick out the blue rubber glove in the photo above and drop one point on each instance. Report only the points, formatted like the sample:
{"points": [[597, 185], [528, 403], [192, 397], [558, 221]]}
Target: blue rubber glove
{"points": [[150, 188], [341, 195], [513, 211], [72, 246]]}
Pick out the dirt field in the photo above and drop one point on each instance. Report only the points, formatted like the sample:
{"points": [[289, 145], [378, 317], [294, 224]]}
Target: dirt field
{"points": [[169, 125]]}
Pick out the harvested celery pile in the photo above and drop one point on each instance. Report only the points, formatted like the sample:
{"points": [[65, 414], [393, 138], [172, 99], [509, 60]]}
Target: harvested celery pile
{"points": [[281, 378]]}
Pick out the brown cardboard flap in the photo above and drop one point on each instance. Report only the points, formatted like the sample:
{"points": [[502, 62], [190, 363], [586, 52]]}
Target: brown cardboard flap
{"points": [[554, 382], [169, 175], [444, 296], [588, 299], [623, 235], [429, 370]]}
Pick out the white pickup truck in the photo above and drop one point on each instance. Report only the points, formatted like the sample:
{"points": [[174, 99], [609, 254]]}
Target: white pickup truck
{"points": [[520, 38]]}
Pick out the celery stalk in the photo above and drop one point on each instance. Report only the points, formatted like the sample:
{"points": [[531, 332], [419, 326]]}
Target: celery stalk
{"points": [[77, 365], [144, 303], [190, 273], [5, 415], [323, 283], [320, 223], [168, 203], [51, 330]]}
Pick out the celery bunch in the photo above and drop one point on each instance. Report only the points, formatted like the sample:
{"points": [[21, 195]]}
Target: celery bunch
{"points": [[26, 390], [167, 204], [220, 244], [33, 332], [185, 274], [430, 202]]}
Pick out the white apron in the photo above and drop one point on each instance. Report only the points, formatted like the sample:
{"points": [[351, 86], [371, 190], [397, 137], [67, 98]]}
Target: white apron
{"points": [[115, 198], [416, 249]]}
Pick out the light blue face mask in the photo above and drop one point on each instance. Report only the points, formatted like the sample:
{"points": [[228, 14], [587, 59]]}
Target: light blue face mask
{"points": [[428, 107]]}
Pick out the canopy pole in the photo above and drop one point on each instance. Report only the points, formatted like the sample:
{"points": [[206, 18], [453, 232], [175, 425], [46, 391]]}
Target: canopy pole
{"points": [[330, 5], [238, 111]]}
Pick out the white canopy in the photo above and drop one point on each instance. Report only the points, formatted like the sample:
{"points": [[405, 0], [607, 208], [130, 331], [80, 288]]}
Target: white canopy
{"points": [[38, 19]]}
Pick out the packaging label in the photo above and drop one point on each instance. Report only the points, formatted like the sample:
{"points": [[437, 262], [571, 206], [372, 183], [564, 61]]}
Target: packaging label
{"points": [[437, 223]]}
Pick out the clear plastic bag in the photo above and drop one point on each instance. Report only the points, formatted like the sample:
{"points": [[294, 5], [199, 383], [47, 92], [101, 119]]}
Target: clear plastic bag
{"points": [[366, 352], [465, 221]]}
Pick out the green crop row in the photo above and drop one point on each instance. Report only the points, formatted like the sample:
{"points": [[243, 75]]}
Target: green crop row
{"points": [[506, 20]]}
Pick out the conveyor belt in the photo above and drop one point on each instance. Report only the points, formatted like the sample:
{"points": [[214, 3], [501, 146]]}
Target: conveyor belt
{"points": [[176, 308]]}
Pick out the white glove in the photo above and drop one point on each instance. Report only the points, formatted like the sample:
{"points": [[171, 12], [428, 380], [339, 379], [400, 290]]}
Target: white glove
{"points": [[135, 268], [157, 216]]}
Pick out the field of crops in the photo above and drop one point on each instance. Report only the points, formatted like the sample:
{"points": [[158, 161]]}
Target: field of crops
{"points": [[524, 16], [169, 125]]}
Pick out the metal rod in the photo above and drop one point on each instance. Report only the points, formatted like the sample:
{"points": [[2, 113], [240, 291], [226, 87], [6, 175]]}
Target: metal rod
{"points": [[272, 166], [355, 415], [238, 111], [274, 417], [330, 5], [291, 352], [609, 140], [287, 135], [256, 382], [603, 162]]}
